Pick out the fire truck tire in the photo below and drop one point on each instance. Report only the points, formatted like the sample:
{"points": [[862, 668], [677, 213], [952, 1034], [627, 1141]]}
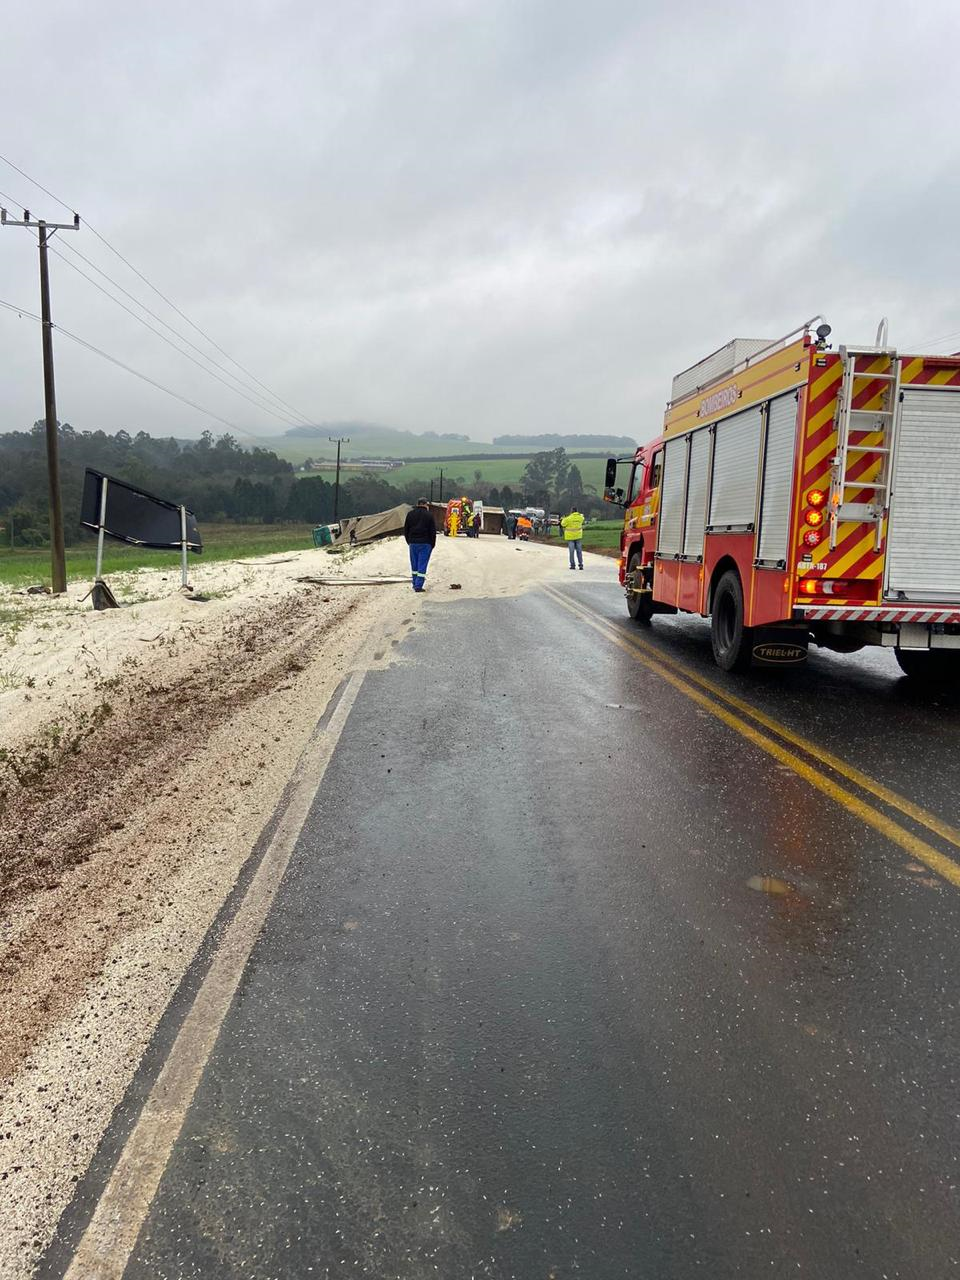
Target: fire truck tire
{"points": [[731, 640], [939, 667], [639, 607]]}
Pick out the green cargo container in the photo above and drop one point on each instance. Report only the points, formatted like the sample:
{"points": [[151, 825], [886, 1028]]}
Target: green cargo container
{"points": [[322, 537]]}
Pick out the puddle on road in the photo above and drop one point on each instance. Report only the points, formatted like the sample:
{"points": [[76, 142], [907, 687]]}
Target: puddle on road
{"points": [[770, 884]]}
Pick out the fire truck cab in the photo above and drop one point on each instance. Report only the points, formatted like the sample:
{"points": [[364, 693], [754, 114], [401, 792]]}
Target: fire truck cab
{"points": [[803, 494]]}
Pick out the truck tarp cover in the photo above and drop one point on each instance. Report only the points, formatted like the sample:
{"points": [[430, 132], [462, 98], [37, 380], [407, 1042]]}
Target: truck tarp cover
{"points": [[383, 524], [134, 516]]}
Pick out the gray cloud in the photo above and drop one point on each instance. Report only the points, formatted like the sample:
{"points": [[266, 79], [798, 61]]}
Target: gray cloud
{"points": [[479, 216]]}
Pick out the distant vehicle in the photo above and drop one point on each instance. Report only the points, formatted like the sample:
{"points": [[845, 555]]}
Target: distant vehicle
{"points": [[798, 493], [459, 512]]}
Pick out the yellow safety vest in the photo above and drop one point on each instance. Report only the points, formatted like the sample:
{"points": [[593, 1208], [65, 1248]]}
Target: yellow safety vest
{"points": [[572, 526]]}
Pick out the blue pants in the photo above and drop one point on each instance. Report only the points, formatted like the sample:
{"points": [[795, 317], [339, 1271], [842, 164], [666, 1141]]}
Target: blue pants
{"points": [[575, 545], [419, 559]]}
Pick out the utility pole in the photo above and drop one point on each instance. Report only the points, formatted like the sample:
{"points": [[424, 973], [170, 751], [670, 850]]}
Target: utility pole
{"points": [[441, 484], [338, 441], [431, 490], [46, 231]]}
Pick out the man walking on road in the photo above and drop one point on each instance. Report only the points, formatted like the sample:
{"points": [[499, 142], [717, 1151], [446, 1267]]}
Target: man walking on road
{"points": [[572, 526], [420, 531]]}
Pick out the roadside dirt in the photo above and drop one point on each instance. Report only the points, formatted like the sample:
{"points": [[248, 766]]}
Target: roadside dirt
{"points": [[142, 753]]}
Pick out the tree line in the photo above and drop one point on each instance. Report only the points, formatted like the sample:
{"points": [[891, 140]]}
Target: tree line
{"points": [[220, 480], [217, 478]]}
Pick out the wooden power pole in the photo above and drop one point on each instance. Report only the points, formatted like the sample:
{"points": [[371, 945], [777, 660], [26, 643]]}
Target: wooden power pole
{"points": [[45, 231], [338, 441]]}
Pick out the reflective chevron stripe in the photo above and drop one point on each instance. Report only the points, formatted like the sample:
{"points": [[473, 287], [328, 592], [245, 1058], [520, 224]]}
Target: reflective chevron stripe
{"points": [[850, 613]]}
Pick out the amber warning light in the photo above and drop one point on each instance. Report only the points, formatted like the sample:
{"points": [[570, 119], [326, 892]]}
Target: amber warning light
{"points": [[816, 498], [813, 517]]}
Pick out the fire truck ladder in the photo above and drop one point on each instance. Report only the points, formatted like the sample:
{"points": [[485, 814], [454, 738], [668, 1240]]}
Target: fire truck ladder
{"points": [[852, 425]]}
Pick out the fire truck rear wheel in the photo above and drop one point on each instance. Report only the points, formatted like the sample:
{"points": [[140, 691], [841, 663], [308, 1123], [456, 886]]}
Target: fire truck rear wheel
{"points": [[639, 607], [730, 638], [939, 667]]}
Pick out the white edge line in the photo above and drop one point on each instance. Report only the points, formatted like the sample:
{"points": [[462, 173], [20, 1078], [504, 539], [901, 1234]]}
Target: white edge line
{"points": [[111, 1234]]}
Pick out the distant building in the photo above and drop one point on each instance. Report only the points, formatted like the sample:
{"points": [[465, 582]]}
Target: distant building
{"points": [[355, 464]]}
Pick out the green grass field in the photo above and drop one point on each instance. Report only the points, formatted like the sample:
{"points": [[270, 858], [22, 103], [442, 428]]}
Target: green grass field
{"points": [[220, 542], [495, 471], [603, 533]]}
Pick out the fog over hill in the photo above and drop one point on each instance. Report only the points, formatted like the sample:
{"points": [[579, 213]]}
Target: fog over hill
{"points": [[375, 438], [361, 430]]}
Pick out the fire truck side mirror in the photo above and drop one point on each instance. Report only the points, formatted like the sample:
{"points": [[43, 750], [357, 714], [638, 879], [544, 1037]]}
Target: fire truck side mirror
{"points": [[610, 479]]}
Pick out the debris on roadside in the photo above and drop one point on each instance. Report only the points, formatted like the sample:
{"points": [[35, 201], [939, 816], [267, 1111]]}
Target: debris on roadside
{"points": [[352, 582], [262, 563]]}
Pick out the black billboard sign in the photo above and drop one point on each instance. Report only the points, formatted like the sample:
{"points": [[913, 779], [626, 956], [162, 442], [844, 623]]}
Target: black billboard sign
{"points": [[134, 516]]}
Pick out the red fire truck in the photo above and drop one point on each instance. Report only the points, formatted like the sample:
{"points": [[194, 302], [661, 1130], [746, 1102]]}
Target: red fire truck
{"points": [[799, 493]]}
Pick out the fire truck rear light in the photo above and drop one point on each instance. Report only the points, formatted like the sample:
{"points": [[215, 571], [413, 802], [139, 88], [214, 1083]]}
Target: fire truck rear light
{"points": [[816, 498], [813, 517], [844, 588], [812, 538]]}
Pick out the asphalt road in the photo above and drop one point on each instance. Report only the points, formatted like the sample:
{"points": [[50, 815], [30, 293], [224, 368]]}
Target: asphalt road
{"points": [[580, 970]]}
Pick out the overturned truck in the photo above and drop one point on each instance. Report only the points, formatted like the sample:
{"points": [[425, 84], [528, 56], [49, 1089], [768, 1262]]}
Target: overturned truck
{"points": [[382, 524]]}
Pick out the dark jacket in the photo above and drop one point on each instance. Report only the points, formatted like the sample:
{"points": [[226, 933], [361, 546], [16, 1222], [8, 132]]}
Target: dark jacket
{"points": [[420, 527]]}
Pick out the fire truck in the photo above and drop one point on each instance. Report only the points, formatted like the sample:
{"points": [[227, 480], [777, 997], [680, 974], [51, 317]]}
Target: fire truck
{"points": [[803, 494]]}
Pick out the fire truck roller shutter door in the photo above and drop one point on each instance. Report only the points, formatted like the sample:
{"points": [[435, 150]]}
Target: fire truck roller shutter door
{"points": [[697, 493], [672, 488], [924, 538], [733, 500], [778, 467]]}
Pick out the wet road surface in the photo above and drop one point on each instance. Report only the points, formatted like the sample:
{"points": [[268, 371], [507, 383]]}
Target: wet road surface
{"points": [[518, 1012]]}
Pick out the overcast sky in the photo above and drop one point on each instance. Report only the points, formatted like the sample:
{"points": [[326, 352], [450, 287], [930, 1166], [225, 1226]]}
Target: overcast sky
{"points": [[473, 215]]}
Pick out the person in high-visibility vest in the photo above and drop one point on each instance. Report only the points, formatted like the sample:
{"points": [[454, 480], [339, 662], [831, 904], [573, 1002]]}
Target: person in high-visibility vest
{"points": [[572, 526]]}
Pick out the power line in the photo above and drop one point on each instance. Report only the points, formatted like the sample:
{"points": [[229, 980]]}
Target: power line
{"points": [[21, 311], [12, 202], [159, 319], [216, 346], [258, 403], [241, 389], [259, 400], [934, 342], [31, 315], [292, 408], [69, 207]]}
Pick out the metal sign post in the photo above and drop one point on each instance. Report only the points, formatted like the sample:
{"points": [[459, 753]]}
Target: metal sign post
{"points": [[184, 585], [98, 576], [103, 597]]}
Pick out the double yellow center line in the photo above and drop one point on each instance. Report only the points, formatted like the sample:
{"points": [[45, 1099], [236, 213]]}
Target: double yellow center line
{"points": [[773, 737]]}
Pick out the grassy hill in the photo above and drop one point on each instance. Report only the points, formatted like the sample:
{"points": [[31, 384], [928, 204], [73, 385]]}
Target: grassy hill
{"points": [[373, 441]]}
